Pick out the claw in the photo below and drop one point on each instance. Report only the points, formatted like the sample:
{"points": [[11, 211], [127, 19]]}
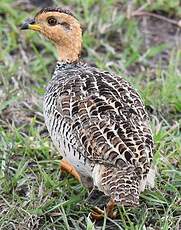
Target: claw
{"points": [[98, 214]]}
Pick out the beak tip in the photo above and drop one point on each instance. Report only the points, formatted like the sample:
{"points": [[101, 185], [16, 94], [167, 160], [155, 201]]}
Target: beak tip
{"points": [[26, 23], [24, 26]]}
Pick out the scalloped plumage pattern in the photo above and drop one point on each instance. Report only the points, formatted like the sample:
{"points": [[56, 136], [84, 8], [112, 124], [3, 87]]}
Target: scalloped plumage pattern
{"points": [[98, 122]]}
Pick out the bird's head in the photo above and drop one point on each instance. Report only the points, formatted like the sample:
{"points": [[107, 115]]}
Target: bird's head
{"points": [[61, 27]]}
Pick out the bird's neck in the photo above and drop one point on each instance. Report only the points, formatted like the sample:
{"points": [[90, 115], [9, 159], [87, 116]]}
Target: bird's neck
{"points": [[70, 53]]}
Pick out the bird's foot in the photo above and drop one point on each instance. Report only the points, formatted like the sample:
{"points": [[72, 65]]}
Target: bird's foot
{"points": [[110, 209], [66, 166], [98, 214]]}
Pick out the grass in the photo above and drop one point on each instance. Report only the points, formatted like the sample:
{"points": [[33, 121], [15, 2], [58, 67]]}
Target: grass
{"points": [[34, 194]]}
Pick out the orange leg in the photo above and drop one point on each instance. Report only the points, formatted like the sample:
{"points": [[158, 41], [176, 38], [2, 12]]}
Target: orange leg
{"points": [[66, 166], [110, 209], [98, 214]]}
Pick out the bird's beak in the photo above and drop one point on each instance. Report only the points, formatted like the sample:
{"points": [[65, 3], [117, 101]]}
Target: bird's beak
{"points": [[30, 24]]}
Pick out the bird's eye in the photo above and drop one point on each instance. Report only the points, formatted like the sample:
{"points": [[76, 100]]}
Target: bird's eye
{"points": [[52, 21]]}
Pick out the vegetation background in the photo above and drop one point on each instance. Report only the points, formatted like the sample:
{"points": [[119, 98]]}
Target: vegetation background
{"points": [[120, 36]]}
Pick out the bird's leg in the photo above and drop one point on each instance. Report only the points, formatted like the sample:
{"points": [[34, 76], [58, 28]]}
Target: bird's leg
{"points": [[66, 166], [98, 214], [110, 209]]}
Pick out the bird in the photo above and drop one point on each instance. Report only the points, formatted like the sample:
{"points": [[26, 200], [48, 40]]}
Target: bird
{"points": [[96, 119]]}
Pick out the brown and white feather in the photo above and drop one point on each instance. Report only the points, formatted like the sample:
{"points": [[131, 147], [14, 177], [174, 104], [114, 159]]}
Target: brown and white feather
{"points": [[99, 124]]}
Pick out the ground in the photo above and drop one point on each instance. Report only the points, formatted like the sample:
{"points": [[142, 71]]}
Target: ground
{"points": [[146, 51]]}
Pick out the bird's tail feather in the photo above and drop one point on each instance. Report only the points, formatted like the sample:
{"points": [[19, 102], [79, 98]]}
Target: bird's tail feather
{"points": [[122, 185]]}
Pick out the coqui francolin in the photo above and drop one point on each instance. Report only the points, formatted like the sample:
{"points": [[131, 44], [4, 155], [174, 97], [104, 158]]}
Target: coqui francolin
{"points": [[96, 120]]}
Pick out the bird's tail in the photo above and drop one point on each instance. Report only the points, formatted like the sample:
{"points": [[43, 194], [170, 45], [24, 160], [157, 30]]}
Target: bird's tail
{"points": [[121, 184]]}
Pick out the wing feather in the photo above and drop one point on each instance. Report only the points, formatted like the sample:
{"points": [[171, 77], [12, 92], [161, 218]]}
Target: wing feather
{"points": [[106, 117]]}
